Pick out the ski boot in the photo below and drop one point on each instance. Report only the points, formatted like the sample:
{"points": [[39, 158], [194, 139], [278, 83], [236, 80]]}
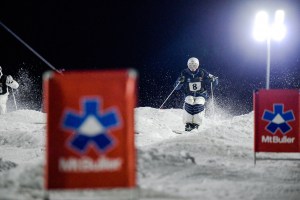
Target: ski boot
{"points": [[189, 127], [195, 126]]}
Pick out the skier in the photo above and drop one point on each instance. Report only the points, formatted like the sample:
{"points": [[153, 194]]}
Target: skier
{"points": [[5, 82], [194, 81]]}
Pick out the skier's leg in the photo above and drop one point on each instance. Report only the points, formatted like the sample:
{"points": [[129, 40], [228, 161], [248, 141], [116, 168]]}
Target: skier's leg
{"points": [[3, 100], [199, 111], [188, 112]]}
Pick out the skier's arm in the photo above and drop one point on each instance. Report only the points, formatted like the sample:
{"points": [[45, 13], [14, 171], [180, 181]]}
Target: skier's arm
{"points": [[179, 82], [11, 82], [211, 78]]}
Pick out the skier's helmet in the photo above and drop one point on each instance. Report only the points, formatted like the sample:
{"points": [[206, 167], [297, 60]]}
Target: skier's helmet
{"points": [[193, 64]]}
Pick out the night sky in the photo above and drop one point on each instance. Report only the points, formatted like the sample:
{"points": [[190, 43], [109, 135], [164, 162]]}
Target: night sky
{"points": [[156, 38]]}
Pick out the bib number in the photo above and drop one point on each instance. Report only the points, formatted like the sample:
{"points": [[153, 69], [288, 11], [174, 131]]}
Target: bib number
{"points": [[195, 86]]}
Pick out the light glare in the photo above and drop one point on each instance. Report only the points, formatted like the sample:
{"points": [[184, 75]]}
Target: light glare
{"points": [[278, 28], [261, 26], [278, 31], [264, 31], [279, 17]]}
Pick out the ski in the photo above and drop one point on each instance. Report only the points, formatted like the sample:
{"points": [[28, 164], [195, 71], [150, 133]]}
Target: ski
{"points": [[179, 131], [185, 132]]}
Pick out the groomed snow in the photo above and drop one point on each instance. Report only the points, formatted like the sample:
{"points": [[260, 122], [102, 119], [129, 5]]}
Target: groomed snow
{"points": [[214, 162]]}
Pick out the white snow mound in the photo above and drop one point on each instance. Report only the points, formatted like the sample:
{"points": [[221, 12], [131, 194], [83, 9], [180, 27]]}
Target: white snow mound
{"points": [[214, 162]]}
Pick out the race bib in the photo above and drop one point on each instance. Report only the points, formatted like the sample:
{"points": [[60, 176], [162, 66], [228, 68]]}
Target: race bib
{"points": [[195, 86]]}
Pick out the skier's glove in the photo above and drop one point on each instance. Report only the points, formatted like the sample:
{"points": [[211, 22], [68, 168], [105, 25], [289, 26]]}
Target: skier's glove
{"points": [[214, 80], [181, 79], [9, 80]]}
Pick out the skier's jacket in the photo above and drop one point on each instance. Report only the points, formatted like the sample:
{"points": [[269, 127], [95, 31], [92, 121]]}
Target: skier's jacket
{"points": [[3, 86], [5, 82], [195, 83]]}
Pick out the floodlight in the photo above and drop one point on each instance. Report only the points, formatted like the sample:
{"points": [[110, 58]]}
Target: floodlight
{"points": [[279, 17], [261, 26], [278, 27], [263, 31]]}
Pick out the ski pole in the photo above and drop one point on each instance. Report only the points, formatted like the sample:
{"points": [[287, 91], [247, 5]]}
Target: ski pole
{"points": [[169, 95], [12, 91], [29, 47], [212, 98]]}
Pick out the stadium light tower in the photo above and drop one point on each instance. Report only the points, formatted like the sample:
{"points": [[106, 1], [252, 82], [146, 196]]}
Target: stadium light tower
{"points": [[264, 31]]}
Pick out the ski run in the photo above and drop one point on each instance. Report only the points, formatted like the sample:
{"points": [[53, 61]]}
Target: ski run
{"points": [[214, 162]]}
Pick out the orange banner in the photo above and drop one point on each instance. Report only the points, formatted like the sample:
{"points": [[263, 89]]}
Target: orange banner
{"points": [[276, 121], [90, 129]]}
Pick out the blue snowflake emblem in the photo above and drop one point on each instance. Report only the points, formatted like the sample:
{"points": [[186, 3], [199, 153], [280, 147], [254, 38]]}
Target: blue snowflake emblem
{"points": [[91, 127], [278, 119]]}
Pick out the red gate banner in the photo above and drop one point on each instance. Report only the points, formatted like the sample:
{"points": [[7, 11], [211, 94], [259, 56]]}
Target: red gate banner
{"points": [[276, 121], [90, 129]]}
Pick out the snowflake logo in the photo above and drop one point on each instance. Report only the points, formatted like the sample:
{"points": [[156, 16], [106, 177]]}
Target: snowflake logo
{"points": [[91, 127], [278, 119]]}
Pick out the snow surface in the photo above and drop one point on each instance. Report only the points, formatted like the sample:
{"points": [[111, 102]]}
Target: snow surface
{"points": [[214, 162]]}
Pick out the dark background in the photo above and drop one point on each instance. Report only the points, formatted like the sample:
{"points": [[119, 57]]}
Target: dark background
{"points": [[154, 37]]}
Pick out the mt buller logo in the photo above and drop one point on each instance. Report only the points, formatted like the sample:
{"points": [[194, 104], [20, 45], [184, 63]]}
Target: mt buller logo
{"points": [[91, 126], [278, 119]]}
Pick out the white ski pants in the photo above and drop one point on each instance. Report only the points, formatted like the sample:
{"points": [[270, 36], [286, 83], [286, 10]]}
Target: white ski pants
{"points": [[193, 110], [3, 101]]}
